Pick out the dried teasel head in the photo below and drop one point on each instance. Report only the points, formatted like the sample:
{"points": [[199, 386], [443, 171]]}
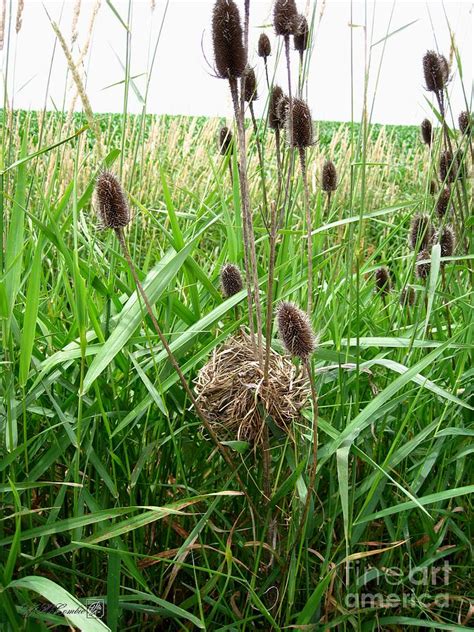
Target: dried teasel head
{"points": [[329, 177], [301, 135], [231, 280], [451, 166], [250, 91], [274, 121], [264, 47], [225, 140], [436, 71], [111, 202], [423, 264], [382, 281], [295, 330], [427, 132], [421, 232], [446, 239], [407, 296], [284, 14], [229, 52], [433, 187], [301, 33], [283, 106], [464, 121], [442, 203]]}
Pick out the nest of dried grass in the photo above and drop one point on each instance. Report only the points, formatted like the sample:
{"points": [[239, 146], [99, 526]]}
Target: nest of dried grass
{"points": [[231, 390]]}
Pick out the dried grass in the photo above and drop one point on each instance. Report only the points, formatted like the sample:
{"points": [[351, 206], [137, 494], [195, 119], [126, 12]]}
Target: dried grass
{"points": [[236, 399]]}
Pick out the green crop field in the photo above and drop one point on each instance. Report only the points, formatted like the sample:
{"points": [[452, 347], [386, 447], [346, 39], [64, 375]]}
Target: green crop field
{"points": [[152, 464]]}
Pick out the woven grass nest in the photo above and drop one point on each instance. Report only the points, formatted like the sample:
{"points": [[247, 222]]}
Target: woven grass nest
{"points": [[231, 390]]}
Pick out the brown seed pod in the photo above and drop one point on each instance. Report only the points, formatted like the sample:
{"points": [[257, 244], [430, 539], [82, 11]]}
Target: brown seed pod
{"points": [[435, 71], [382, 281], [443, 202], [225, 140], [250, 92], [229, 51], [427, 132], [264, 46], [302, 133], [451, 167], [329, 177], [274, 121], [282, 108], [295, 330], [284, 15], [421, 232], [447, 241], [301, 34], [407, 296], [423, 264], [464, 121], [231, 280], [433, 187], [111, 201]]}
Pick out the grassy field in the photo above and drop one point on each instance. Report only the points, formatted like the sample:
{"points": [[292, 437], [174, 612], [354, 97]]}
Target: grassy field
{"points": [[112, 491]]}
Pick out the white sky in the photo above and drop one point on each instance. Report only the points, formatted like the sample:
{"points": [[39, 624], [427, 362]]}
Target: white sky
{"points": [[181, 82]]}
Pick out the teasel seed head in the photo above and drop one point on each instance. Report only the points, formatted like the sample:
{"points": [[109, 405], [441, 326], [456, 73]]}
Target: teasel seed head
{"points": [[443, 202], [250, 92], [427, 132], [450, 166], [229, 51], [231, 280], [382, 281], [302, 133], [295, 330], [421, 232], [435, 71], [301, 34], [423, 264], [264, 46], [282, 108], [274, 121], [329, 177], [225, 140], [111, 201], [433, 187], [284, 15], [447, 241], [464, 121], [407, 296]]}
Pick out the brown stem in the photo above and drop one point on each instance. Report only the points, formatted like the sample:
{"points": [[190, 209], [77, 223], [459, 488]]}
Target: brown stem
{"points": [[278, 158], [302, 153], [175, 365], [271, 274], [247, 215], [260, 160]]}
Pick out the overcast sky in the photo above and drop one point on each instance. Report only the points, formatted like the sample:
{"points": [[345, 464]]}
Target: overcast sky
{"points": [[182, 82]]}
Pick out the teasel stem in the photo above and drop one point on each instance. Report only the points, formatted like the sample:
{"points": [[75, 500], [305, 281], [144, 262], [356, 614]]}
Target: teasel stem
{"points": [[249, 236], [260, 160], [302, 154], [175, 365], [270, 282], [278, 159]]}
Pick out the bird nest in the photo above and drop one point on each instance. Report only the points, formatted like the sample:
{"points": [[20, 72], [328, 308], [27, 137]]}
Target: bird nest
{"points": [[235, 397]]}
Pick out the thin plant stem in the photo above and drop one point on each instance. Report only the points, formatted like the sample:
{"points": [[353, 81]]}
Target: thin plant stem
{"points": [[260, 159], [302, 154]]}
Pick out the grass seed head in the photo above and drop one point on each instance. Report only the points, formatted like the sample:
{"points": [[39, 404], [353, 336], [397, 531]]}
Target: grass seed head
{"points": [[250, 92], [295, 330], [302, 133], [284, 15], [301, 34], [274, 121], [231, 280], [229, 51], [407, 296], [329, 177], [427, 132], [421, 232], [435, 71], [443, 202], [423, 264], [464, 121], [264, 46], [382, 281], [225, 140], [111, 201]]}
